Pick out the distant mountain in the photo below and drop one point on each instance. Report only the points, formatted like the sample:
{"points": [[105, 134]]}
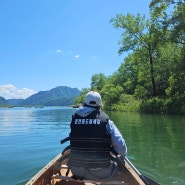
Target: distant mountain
{"points": [[14, 102], [3, 102], [59, 96]]}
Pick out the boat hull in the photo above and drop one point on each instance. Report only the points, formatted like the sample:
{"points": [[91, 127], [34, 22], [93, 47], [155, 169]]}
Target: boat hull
{"points": [[54, 173]]}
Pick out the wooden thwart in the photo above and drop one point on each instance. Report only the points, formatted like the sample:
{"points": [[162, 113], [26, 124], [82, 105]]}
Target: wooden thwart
{"points": [[90, 181]]}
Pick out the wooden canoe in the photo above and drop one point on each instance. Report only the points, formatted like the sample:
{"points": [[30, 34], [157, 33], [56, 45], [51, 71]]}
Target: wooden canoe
{"points": [[55, 173]]}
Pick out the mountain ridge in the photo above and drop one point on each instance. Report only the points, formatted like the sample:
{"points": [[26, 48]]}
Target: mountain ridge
{"points": [[58, 96]]}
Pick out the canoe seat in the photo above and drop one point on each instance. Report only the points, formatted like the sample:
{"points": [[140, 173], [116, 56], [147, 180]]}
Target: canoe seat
{"points": [[64, 180], [69, 180]]}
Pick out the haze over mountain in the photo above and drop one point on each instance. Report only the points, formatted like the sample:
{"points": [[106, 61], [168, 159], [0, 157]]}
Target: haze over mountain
{"points": [[58, 96]]}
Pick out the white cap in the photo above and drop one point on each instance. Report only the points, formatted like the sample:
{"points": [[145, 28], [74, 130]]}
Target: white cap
{"points": [[93, 99]]}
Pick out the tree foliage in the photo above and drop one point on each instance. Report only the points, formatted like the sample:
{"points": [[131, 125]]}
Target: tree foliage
{"points": [[98, 81], [139, 35], [80, 99], [152, 75]]}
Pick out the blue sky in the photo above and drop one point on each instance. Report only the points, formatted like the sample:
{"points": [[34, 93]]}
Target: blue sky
{"points": [[50, 43]]}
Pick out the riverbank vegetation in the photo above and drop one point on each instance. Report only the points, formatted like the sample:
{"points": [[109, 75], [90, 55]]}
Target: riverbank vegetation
{"points": [[152, 75]]}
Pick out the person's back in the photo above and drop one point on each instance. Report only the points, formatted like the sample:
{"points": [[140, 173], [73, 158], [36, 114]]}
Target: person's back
{"points": [[91, 141]]}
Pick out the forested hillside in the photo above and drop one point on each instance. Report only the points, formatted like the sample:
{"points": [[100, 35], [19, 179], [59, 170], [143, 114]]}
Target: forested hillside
{"points": [[152, 76], [59, 96], [3, 102]]}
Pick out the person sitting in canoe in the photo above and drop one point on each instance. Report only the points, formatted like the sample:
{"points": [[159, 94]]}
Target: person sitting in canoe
{"points": [[91, 138]]}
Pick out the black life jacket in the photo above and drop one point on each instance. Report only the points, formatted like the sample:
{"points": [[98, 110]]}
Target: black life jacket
{"points": [[90, 141]]}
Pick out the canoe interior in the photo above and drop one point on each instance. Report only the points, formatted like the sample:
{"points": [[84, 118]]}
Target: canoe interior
{"points": [[54, 173]]}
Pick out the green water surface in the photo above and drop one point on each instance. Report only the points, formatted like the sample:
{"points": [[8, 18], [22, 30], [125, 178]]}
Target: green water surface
{"points": [[30, 138], [155, 144]]}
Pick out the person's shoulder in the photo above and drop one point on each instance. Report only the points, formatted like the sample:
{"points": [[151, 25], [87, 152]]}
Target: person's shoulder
{"points": [[73, 115], [104, 114]]}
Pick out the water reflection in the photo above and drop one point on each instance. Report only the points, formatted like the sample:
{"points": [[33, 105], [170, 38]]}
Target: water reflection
{"points": [[31, 119], [155, 144], [15, 120], [55, 119], [30, 137]]}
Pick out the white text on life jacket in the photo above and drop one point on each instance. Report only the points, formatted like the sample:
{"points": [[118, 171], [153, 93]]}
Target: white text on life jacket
{"points": [[87, 121]]}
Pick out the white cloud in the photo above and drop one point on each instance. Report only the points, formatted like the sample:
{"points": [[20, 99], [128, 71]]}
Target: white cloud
{"points": [[77, 56], [58, 51], [9, 91]]}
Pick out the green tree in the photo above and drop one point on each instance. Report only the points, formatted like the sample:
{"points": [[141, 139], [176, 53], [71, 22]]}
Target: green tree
{"points": [[152, 76], [98, 81], [80, 99], [173, 21], [142, 36], [171, 13], [111, 95], [128, 72]]}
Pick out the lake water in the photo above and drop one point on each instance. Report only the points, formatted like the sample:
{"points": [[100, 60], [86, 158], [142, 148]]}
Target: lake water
{"points": [[30, 138]]}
